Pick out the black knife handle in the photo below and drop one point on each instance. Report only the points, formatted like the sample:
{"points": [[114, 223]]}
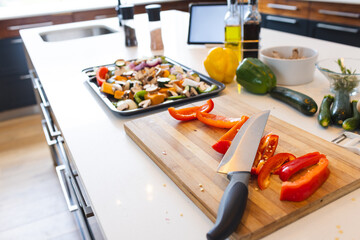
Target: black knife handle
{"points": [[232, 206]]}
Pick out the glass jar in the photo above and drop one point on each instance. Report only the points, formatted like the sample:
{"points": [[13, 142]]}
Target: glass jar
{"points": [[153, 12], [127, 14]]}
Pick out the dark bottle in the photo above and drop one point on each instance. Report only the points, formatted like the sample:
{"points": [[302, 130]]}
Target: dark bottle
{"points": [[127, 14], [117, 9], [252, 21]]}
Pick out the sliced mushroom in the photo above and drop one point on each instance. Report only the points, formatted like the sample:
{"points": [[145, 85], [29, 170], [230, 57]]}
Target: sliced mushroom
{"points": [[145, 103], [193, 92], [168, 85], [122, 105], [203, 86], [151, 87], [116, 87], [186, 92], [172, 93], [159, 72], [126, 94], [177, 88], [139, 75], [127, 85]]}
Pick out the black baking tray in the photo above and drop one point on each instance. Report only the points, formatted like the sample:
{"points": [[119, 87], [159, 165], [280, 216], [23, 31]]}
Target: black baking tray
{"points": [[109, 99]]}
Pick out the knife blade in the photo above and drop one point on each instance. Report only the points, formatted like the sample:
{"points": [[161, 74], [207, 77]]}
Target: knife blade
{"points": [[237, 163]]}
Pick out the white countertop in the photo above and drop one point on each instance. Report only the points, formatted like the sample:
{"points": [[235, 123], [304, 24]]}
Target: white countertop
{"points": [[125, 187]]}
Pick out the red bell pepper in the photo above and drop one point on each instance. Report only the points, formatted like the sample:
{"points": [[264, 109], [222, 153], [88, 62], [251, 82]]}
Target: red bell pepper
{"points": [[270, 165], [266, 149], [223, 144], [306, 185], [290, 168], [217, 120], [189, 113], [101, 75]]}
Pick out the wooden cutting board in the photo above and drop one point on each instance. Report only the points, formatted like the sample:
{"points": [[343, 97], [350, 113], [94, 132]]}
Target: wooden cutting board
{"points": [[183, 151]]}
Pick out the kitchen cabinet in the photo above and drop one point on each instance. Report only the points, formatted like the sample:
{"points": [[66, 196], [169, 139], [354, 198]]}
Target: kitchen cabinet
{"points": [[328, 21], [15, 81], [70, 182]]}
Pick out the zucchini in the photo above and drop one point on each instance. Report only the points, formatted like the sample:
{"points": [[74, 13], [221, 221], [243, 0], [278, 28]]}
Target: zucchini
{"points": [[324, 117], [297, 100], [176, 97], [163, 81], [352, 123], [341, 107], [211, 88]]}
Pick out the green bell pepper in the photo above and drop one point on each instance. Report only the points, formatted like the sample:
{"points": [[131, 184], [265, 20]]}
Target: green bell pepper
{"points": [[255, 76]]}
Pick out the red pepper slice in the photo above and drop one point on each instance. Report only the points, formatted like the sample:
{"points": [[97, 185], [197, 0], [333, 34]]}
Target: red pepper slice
{"points": [[101, 75], [223, 144], [290, 168], [189, 113], [266, 149], [217, 120], [270, 165], [307, 184]]}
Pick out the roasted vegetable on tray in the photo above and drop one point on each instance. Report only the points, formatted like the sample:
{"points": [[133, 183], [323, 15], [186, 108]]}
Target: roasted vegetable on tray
{"points": [[145, 82]]}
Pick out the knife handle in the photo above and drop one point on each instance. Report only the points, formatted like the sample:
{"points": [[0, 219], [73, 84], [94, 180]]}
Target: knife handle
{"points": [[232, 206]]}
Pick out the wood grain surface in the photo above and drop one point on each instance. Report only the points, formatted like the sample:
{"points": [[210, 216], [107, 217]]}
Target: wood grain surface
{"points": [[183, 151]]}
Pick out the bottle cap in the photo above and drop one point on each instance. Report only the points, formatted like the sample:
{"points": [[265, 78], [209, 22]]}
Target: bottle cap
{"points": [[127, 11], [153, 11]]}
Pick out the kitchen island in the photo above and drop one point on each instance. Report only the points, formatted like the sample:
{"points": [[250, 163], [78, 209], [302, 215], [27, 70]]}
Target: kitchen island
{"points": [[130, 196]]}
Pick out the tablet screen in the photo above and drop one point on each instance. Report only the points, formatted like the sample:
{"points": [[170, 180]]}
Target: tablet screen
{"points": [[206, 23]]}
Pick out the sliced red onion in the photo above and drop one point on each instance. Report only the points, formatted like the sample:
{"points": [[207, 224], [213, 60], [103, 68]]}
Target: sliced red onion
{"points": [[153, 62], [140, 66], [132, 65]]}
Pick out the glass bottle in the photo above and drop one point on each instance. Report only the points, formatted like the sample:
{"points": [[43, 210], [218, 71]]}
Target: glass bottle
{"points": [[233, 28], [252, 22], [153, 11], [127, 14]]}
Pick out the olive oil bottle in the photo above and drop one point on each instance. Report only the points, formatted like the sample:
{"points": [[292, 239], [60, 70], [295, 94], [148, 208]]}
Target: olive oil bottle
{"points": [[233, 28]]}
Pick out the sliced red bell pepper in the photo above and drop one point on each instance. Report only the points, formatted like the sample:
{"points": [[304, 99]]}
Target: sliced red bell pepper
{"points": [[101, 75], [189, 113], [269, 166], [217, 120], [266, 149], [223, 144], [306, 185], [307, 160]]}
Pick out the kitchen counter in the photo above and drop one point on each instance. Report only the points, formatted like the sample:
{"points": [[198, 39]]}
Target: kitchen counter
{"points": [[131, 197]]}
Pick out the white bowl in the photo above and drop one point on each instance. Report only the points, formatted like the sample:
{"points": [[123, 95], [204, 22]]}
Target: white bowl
{"points": [[290, 71]]}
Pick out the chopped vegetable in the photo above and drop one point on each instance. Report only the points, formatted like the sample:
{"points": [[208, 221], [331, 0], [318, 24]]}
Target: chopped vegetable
{"points": [[217, 120], [307, 184], [270, 166], [189, 113], [107, 88], [290, 168], [266, 149], [101, 75], [223, 144]]}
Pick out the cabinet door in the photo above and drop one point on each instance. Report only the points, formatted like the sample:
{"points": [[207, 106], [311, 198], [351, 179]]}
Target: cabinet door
{"points": [[285, 24], [289, 8], [16, 91], [337, 33], [12, 60]]}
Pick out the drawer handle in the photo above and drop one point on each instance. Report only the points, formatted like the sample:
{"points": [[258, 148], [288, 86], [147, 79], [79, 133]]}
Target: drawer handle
{"points": [[65, 189], [16, 41], [40, 90], [53, 131], [47, 135], [281, 19], [282, 6], [25, 77], [100, 17], [87, 209], [340, 14], [337, 28], [25, 26]]}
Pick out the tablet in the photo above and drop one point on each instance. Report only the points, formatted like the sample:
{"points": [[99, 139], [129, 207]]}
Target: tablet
{"points": [[206, 25]]}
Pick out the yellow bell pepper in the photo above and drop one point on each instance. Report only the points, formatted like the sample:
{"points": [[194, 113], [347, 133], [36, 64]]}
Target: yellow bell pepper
{"points": [[221, 64]]}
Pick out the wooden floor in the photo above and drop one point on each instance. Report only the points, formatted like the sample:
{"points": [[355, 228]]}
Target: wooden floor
{"points": [[32, 205]]}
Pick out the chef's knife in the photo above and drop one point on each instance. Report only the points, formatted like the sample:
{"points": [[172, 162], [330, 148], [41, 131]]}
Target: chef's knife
{"points": [[237, 163]]}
